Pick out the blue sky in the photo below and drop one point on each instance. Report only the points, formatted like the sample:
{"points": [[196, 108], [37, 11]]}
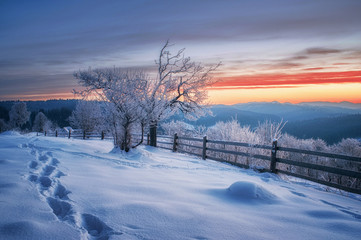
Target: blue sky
{"points": [[43, 42]]}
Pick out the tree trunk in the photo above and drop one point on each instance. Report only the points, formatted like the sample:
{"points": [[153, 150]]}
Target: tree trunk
{"points": [[153, 134], [125, 140], [142, 137], [127, 137]]}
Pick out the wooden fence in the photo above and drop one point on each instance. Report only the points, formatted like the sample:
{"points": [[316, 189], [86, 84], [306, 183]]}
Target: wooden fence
{"points": [[276, 159], [81, 134], [77, 133]]}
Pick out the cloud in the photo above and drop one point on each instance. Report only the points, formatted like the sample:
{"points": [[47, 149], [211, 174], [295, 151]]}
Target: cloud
{"points": [[16, 85], [319, 51], [313, 68], [287, 80], [282, 65]]}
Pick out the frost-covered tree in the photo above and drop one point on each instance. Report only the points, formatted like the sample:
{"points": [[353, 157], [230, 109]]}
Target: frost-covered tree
{"points": [[87, 116], [19, 115], [138, 99], [181, 84], [122, 91], [41, 123]]}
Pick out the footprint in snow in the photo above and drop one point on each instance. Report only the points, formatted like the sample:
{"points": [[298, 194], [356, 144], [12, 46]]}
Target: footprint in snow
{"points": [[62, 209], [61, 192], [45, 182], [97, 228], [33, 164], [43, 158], [48, 170]]}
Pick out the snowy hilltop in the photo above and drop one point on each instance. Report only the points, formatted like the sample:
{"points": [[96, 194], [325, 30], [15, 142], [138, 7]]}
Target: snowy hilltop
{"points": [[59, 188]]}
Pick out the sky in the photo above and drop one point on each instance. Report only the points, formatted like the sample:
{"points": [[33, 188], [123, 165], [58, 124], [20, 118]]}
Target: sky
{"points": [[286, 51]]}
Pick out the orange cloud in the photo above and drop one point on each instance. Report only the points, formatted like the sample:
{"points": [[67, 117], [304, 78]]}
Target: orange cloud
{"points": [[287, 80]]}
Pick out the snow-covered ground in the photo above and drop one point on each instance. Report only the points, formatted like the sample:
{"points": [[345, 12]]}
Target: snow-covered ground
{"points": [[56, 188]]}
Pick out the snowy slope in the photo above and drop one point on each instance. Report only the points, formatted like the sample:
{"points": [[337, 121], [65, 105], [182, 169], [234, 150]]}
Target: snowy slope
{"points": [[55, 188]]}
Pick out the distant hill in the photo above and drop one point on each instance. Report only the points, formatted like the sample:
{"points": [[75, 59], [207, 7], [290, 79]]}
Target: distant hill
{"points": [[332, 130], [303, 111], [226, 113], [331, 104]]}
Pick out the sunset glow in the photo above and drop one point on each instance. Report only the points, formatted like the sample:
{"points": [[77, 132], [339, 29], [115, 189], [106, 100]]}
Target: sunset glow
{"points": [[286, 51], [293, 88], [301, 93]]}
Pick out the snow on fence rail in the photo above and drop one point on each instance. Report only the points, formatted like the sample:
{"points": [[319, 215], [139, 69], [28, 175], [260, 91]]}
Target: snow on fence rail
{"points": [[77, 133], [333, 170]]}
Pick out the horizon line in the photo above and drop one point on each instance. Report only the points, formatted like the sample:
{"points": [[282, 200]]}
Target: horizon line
{"points": [[212, 104]]}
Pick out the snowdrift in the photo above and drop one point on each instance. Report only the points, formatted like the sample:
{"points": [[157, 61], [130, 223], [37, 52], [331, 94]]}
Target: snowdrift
{"points": [[56, 188]]}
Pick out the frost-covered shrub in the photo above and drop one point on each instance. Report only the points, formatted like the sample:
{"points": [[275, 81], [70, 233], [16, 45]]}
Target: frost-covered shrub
{"points": [[179, 127], [183, 129], [19, 115], [348, 146], [269, 131], [87, 116], [41, 123], [233, 131], [351, 147]]}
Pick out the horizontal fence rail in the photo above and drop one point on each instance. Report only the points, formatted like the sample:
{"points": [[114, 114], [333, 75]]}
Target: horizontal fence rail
{"points": [[77, 133]]}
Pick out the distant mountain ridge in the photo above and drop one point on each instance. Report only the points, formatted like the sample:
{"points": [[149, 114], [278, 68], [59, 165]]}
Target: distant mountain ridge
{"points": [[227, 113], [343, 104], [331, 130], [302, 111]]}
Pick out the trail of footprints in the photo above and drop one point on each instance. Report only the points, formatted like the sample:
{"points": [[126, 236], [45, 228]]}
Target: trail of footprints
{"points": [[45, 174]]}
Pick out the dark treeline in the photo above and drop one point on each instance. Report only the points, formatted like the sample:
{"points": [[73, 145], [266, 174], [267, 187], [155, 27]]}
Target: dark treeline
{"points": [[57, 111], [35, 106]]}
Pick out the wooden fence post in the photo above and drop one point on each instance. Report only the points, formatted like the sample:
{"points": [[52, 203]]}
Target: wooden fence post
{"points": [[69, 134], [175, 142], [153, 135], [83, 134], [56, 133], [148, 139], [102, 135], [273, 157], [204, 155]]}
